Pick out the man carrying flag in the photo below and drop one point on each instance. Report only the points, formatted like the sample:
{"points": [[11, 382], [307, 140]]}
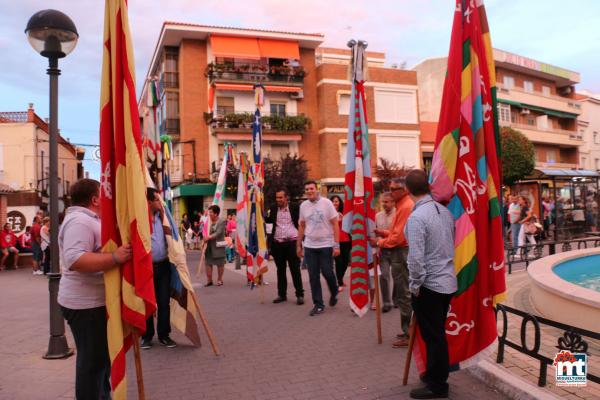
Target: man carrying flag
{"points": [[130, 298], [81, 291]]}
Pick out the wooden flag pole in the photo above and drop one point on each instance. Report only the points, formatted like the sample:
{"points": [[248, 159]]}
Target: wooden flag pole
{"points": [[211, 338], [138, 365], [202, 259], [411, 344], [377, 301]]}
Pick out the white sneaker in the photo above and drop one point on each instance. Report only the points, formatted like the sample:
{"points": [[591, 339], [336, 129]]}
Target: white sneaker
{"points": [[38, 272]]}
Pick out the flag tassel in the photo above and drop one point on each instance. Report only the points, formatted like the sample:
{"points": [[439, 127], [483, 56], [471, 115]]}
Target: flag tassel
{"points": [[138, 365]]}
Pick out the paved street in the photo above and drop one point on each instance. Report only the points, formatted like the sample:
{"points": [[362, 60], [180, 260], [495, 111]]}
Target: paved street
{"points": [[270, 351]]}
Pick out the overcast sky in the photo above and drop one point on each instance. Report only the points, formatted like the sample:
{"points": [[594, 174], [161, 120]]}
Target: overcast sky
{"points": [[557, 32]]}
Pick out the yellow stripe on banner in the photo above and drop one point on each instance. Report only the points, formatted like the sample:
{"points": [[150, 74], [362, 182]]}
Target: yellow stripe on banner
{"points": [[464, 252], [491, 186], [131, 300], [489, 58], [499, 298], [465, 83], [449, 155], [112, 290]]}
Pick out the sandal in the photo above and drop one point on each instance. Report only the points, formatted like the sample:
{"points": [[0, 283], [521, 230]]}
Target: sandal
{"points": [[219, 283], [209, 284]]}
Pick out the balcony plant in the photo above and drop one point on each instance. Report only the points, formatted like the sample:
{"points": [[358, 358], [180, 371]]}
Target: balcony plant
{"points": [[208, 118]]}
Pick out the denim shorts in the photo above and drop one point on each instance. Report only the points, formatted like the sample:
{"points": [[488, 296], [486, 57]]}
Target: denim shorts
{"points": [[37, 251]]}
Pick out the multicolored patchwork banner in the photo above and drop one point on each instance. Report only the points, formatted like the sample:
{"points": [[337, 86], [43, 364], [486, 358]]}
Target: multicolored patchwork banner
{"points": [[257, 255], [125, 219], [359, 214], [466, 175], [241, 232]]}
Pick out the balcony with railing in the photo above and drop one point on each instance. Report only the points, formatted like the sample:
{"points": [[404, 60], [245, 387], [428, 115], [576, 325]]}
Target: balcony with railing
{"points": [[241, 122], [169, 126], [550, 101], [255, 73], [169, 80], [547, 135]]}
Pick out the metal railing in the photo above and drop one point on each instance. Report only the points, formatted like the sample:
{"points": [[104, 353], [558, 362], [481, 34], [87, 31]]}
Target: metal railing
{"points": [[531, 252], [169, 80], [255, 73], [573, 340], [288, 122], [169, 126], [16, 116]]}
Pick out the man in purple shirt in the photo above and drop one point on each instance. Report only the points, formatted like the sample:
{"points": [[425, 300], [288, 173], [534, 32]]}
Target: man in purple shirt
{"points": [[81, 290]]}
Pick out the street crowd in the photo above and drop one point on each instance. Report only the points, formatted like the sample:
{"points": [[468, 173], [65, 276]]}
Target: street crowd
{"points": [[34, 241], [414, 237]]}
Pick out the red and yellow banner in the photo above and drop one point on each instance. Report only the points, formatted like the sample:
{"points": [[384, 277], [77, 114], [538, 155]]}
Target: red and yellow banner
{"points": [[130, 296]]}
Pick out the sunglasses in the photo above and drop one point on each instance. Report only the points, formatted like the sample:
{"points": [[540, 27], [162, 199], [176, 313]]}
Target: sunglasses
{"points": [[397, 188]]}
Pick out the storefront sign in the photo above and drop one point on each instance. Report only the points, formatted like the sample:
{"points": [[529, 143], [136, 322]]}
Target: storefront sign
{"points": [[17, 221]]}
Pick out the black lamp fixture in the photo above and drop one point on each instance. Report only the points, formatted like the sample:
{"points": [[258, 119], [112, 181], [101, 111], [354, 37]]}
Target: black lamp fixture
{"points": [[53, 34]]}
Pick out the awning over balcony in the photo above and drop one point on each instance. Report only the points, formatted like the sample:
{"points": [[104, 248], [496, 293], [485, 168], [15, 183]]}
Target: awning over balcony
{"points": [[270, 48], [554, 113], [268, 88], [235, 47], [252, 48]]}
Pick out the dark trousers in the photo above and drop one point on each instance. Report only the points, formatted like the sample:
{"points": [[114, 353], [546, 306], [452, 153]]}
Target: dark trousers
{"points": [[342, 261], [92, 367], [284, 253], [46, 263], [162, 285], [430, 310], [320, 261]]}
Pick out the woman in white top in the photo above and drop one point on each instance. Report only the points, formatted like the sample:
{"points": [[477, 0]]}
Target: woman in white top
{"points": [[45, 234]]}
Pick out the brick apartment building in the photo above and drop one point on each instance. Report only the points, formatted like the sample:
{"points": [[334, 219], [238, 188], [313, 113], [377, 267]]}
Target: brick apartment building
{"points": [[535, 98], [205, 83]]}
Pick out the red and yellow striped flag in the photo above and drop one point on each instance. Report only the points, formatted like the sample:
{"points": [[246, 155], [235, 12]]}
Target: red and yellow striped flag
{"points": [[125, 219]]}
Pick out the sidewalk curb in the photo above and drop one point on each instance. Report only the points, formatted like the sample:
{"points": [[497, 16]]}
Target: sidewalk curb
{"points": [[513, 386]]}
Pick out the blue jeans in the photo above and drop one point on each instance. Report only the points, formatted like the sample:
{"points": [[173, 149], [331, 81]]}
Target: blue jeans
{"points": [[320, 261], [514, 231], [92, 368]]}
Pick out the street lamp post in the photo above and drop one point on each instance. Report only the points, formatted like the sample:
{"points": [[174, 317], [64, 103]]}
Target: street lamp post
{"points": [[53, 35]]}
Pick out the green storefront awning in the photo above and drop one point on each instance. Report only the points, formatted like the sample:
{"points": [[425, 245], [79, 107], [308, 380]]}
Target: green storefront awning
{"points": [[547, 111], [197, 189]]}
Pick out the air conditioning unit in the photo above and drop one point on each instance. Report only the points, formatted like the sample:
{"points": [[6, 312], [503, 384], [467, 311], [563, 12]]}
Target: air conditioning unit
{"points": [[525, 111], [297, 95]]}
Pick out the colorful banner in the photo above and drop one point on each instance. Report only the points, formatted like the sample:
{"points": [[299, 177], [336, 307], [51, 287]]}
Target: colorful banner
{"points": [[125, 219], [241, 232], [257, 256], [359, 214], [466, 175]]}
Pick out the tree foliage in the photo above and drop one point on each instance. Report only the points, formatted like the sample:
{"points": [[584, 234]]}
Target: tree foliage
{"points": [[387, 170], [518, 155], [289, 172]]}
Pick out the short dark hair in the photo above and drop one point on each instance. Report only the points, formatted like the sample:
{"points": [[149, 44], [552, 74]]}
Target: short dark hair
{"points": [[150, 193], [284, 190], [215, 209], [417, 182], [83, 191], [311, 182]]}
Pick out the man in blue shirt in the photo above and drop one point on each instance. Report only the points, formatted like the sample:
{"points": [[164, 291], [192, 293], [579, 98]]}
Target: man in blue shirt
{"points": [[432, 281], [162, 276]]}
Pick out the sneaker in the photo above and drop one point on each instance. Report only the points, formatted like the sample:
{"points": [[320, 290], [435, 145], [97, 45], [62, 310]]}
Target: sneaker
{"points": [[300, 300], [146, 344], [38, 272], [386, 308], [333, 301], [316, 311], [279, 300], [167, 341]]}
